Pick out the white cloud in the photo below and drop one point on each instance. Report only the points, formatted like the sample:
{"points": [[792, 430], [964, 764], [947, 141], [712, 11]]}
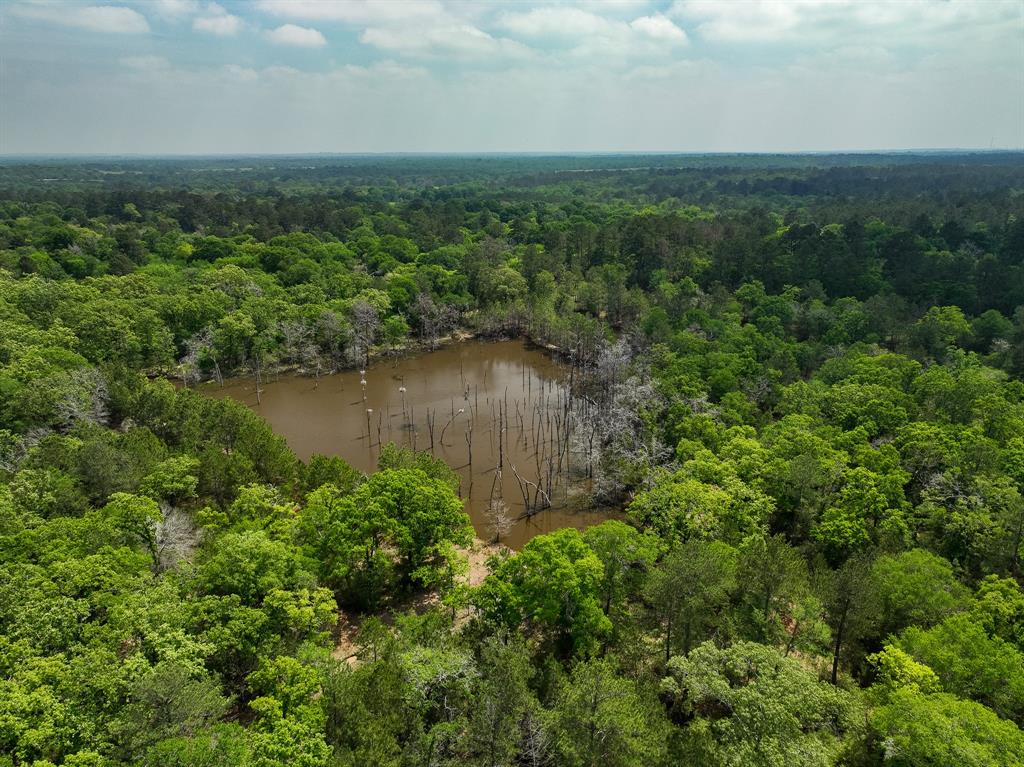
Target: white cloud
{"points": [[114, 19], [456, 40], [843, 75], [614, 5], [174, 9], [217, 21], [559, 21], [291, 34], [740, 21], [659, 28], [589, 35], [368, 12], [817, 22]]}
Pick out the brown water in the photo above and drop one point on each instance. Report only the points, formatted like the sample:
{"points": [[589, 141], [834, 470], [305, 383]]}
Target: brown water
{"points": [[465, 391]]}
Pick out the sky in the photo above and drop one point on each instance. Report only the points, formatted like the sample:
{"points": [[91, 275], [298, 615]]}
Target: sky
{"points": [[359, 76]]}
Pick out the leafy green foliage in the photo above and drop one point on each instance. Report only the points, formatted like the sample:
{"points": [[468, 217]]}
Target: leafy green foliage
{"points": [[690, 592], [391, 529], [746, 704], [971, 664], [915, 729], [681, 508], [600, 718], [554, 587], [806, 379], [915, 588]]}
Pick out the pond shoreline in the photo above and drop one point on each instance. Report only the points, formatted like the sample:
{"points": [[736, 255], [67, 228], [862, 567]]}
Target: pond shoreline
{"points": [[493, 410], [409, 349]]}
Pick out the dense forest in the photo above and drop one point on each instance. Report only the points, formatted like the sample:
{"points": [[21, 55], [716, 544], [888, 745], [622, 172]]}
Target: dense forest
{"points": [[807, 378]]}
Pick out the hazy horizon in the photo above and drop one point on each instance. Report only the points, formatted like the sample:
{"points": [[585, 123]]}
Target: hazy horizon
{"points": [[359, 77], [497, 153]]}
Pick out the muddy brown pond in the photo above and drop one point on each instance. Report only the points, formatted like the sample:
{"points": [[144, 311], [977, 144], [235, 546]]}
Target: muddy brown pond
{"points": [[491, 410]]}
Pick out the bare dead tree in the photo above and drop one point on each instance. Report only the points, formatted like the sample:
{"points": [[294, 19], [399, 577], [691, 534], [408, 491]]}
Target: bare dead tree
{"points": [[365, 326], [198, 350], [603, 421], [295, 337], [312, 359], [535, 744], [612, 366], [176, 537], [188, 365], [498, 519], [538, 501], [454, 415], [14, 449], [84, 398], [205, 348], [333, 335], [428, 317], [433, 320]]}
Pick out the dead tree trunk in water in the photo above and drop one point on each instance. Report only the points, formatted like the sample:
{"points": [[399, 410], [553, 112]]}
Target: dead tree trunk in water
{"points": [[501, 438], [257, 374], [540, 496]]}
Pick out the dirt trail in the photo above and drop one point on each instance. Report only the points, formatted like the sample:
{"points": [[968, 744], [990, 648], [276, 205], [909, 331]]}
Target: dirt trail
{"points": [[478, 554], [345, 647]]}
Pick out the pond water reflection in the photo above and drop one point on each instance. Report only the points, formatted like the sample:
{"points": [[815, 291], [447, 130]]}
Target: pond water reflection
{"points": [[453, 402]]}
